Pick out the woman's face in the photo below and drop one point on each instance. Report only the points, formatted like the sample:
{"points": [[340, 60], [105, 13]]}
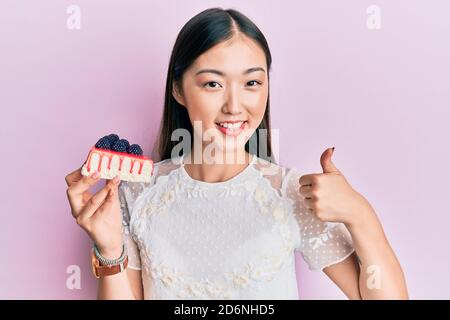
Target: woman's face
{"points": [[226, 84]]}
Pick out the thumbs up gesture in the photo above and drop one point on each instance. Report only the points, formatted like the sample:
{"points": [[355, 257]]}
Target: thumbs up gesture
{"points": [[330, 197]]}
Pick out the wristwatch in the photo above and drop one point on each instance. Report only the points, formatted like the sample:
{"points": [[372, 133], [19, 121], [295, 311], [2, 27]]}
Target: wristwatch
{"points": [[100, 270]]}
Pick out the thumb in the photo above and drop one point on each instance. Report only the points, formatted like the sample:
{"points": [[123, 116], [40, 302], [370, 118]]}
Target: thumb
{"points": [[326, 163], [112, 200], [114, 191]]}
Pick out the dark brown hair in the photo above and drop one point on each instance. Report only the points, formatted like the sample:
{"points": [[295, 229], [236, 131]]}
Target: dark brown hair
{"points": [[200, 33]]}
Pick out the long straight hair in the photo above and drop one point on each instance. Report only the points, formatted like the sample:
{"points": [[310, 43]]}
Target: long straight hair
{"points": [[200, 33]]}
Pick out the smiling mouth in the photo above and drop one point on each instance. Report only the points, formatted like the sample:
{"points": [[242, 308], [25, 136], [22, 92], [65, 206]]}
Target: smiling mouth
{"points": [[229, 128]]}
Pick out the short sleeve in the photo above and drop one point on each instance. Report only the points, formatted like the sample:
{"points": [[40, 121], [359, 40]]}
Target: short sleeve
{"points": [[321, 243], [127, 196]]}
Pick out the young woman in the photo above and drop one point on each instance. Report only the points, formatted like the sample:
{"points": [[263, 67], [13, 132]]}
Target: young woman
{"points": [[218, 229]]}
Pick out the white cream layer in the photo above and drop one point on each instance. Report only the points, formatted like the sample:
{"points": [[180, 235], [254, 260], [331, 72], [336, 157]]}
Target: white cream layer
{"points": [[124, 173]]}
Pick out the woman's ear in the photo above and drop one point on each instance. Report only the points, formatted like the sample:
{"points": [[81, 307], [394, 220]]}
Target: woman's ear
{"points": [[177, 94]]}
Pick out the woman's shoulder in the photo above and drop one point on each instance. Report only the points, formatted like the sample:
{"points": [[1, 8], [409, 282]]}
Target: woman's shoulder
{"points": [[280, 176], [165, 166]]}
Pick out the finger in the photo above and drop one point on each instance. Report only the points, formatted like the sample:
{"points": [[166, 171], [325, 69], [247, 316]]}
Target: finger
{"points": [[110, 201], [115, 188], [306, 190], [326, 163], [114, 185], [100, 198], [78, 187], [73, 176], [309, 202], [95, 202], [306, 179]]}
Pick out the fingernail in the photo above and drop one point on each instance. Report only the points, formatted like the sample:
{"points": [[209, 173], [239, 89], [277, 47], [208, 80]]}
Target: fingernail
{"points": [[96, 175], [116, 180]]}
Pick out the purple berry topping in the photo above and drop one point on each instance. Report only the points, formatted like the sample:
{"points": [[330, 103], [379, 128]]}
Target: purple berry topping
{"points": [[135, 149]]}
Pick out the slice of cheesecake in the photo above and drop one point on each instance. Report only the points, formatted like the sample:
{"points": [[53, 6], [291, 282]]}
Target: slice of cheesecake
{"points": [[111, 163]]}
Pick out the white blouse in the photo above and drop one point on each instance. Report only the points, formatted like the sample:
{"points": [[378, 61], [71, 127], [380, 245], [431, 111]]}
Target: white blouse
{"points": [[226, 240]]}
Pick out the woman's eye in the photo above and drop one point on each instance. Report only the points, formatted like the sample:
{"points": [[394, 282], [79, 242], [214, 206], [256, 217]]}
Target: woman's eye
{"points": [[253, 83], [212, 84]]}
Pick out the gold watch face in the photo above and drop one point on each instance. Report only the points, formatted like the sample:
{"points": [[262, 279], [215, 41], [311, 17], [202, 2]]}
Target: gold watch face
{"points": [[96, 267]]}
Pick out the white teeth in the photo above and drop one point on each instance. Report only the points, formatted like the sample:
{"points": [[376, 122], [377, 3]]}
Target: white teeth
{"points": [[231, 125]]}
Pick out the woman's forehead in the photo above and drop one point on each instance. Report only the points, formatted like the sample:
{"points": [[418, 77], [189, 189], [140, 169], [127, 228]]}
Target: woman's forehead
{"points": [[233, 56]]}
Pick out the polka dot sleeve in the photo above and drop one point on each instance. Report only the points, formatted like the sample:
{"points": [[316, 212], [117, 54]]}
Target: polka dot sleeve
{"points": [[127, 197], [321, 243]]}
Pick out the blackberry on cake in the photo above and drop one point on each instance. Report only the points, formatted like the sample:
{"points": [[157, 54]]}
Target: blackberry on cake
{"points": [[120, 145], [113, 137], [135, 149], [103, 143]]}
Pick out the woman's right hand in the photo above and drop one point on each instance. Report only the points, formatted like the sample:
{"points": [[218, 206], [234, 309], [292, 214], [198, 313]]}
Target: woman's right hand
{"points": [[99, 214]]}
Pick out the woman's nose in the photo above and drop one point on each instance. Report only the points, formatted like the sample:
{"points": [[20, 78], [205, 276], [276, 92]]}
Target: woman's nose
{"points": [[232, 102]]}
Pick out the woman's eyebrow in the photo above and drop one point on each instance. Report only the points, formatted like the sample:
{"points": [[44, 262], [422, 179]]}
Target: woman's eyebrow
{"points": [[221, 73]]}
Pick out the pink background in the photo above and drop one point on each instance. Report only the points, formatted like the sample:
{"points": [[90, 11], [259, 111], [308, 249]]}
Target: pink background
{"points": [[382, 97]]}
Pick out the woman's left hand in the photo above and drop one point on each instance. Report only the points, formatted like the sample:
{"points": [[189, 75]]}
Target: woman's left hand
{"points": [[330, 197]]}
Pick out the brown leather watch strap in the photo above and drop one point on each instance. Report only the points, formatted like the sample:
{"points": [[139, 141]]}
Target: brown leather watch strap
{"points": [[102, 271]]}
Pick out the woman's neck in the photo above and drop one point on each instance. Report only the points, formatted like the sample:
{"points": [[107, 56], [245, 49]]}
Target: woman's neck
{"points": [[209, 171]]}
